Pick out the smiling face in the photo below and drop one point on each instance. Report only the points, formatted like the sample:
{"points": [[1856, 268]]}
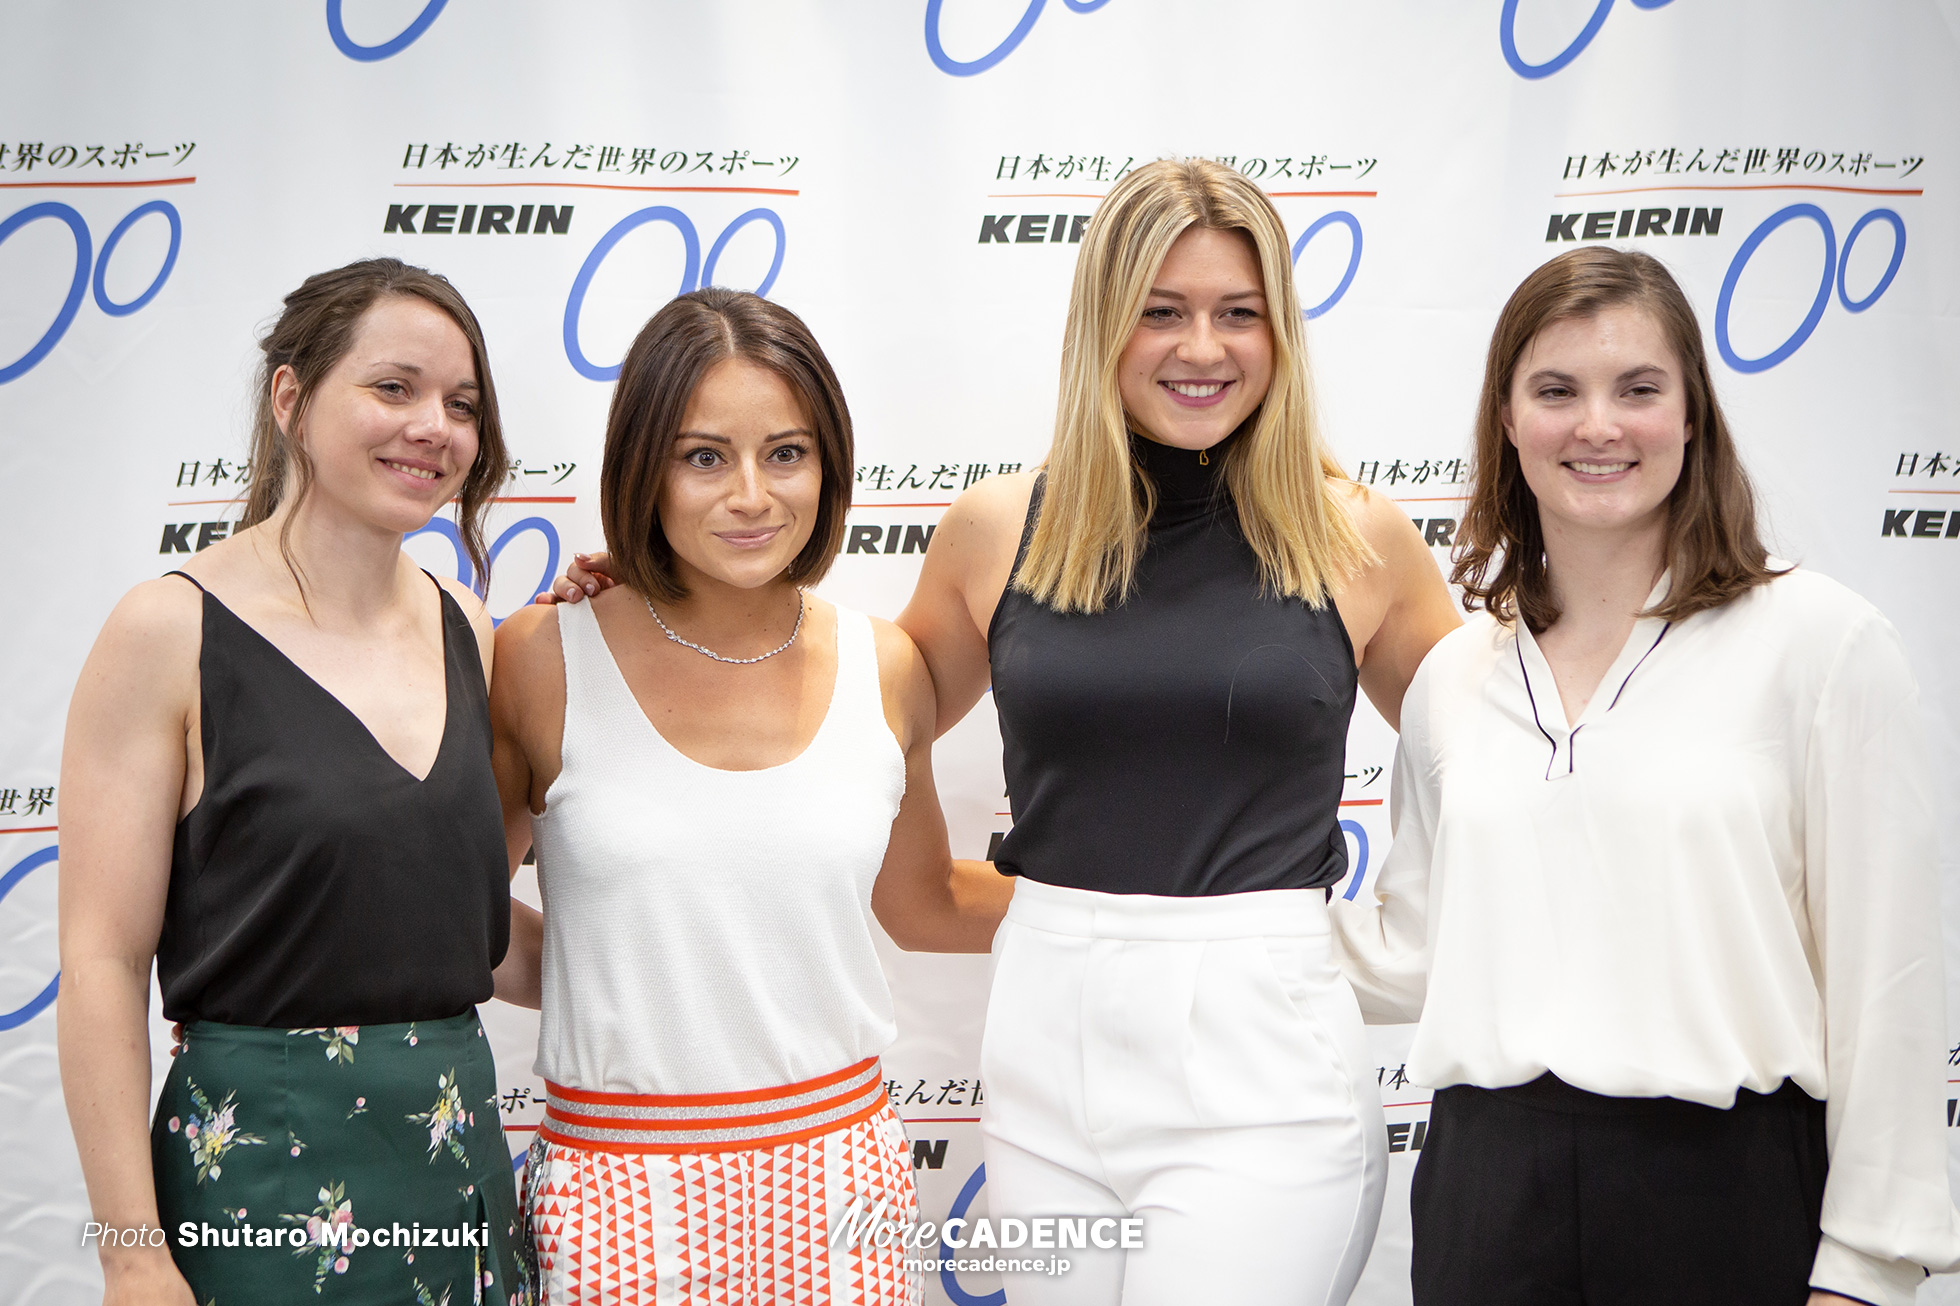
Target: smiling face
{"points": [[740, 496], [392, 428], [1201, 356], [1598, 414]]}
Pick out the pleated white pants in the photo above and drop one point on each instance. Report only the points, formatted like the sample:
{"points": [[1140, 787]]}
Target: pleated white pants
{"points": [[1197, 1062]]}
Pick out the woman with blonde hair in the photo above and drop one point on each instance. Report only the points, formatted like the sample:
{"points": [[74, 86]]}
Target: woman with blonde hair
{"points": [[1174, 615]]}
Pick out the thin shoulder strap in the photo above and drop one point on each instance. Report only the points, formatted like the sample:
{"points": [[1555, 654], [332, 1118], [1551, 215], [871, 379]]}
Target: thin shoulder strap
{"points": [[1027, 527], [187, 576], [583, 646]]}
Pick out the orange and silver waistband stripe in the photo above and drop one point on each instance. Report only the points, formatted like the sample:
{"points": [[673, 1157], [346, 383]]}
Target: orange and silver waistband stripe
{"points": [[712, 1122]]}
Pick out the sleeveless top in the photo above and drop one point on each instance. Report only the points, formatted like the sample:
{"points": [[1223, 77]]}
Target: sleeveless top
{"points": [[1188, 741], [317, 883], [709, 931]]}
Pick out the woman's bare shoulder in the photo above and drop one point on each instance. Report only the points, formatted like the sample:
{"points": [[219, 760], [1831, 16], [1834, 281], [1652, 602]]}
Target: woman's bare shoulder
{"points": [[481, 625], [147, 651], [994, 502], [166, 614], [986, 519]]}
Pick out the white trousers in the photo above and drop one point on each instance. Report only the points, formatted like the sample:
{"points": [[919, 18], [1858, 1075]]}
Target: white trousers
{"points": [[1199, 1063]]}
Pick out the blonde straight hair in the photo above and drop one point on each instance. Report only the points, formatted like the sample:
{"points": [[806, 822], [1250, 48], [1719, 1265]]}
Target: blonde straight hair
{"points": [[1097, 501]]}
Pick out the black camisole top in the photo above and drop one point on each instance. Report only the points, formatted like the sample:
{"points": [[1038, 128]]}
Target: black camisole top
{"points": [[1187, 741], [317, 883]]}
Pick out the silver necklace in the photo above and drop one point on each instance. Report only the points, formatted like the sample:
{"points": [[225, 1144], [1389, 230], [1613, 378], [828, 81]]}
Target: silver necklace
{"points": [[739, 662]]}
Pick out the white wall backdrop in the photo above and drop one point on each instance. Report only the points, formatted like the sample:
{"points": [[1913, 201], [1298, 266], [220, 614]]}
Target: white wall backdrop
{"points": [[908, 176]]}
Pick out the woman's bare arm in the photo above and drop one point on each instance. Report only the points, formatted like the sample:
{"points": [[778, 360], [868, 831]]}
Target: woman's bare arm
{"points": [[123, 768], [966, 570], [925, 900], [1397, 609], [527, 722]]}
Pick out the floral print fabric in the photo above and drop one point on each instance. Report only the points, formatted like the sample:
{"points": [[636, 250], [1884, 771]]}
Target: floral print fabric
{"points": [[352, 1166]]}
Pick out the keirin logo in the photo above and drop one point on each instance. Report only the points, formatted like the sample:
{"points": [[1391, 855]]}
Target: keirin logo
{"points": [[694, 274], [85, 258], [35, 1005], [1835, 264], [1507, 37], [372, 53], [969, 67], [1353, 224]]}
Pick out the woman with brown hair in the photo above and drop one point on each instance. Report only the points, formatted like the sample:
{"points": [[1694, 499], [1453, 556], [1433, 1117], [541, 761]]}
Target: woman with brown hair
{"points": [[723, 777], [278, 787], [1662, 887], [1174, 616]]}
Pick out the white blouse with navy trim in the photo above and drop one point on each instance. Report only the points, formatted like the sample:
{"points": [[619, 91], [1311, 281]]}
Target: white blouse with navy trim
{"points": [[1731, 884]]}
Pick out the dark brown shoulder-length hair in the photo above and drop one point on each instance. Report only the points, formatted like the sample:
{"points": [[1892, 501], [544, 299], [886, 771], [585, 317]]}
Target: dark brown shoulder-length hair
{"points": [[311, 336], [673, 351], [1712, 545]]}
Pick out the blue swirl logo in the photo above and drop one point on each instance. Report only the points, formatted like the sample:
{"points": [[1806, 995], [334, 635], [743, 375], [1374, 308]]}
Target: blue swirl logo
{"points": [[467, 573], [1507, 38], [1340, 217], [1353, 830], [35, 1005], [374, 53], [85, 261], [695, 272], [1836, 262], [972, 67], [955, 1291]]}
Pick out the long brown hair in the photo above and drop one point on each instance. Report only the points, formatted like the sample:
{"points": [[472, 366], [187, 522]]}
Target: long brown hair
{"points": [[311, 336], [673, 351], [1712, 548], [1096, 503]]}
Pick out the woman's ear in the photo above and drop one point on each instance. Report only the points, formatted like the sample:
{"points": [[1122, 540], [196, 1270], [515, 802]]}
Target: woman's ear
{"points": [[285, 399]]}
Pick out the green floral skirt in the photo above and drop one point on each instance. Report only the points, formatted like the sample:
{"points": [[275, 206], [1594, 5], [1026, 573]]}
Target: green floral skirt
{"points": [[359, 1166]]}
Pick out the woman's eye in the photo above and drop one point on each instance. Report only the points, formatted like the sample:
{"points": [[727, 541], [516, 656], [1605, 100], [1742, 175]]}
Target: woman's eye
{"points": [[391, 388], [1159, 314], [464, 409], [788, 453], [702, 458]]}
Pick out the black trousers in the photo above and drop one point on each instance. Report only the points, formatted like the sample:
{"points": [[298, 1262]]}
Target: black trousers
{"points": [[1547, 1195]]}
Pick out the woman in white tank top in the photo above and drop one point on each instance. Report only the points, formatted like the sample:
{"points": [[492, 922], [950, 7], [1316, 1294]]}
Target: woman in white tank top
{"points": [[723, 777]]}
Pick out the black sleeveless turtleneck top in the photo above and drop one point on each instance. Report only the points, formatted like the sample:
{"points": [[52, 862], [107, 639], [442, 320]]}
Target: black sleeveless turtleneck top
{"points": [[316, 882], [1188, 741]]}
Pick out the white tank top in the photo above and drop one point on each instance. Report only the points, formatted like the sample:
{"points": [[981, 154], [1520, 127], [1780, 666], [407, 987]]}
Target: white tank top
{"points": [[709, 931]]}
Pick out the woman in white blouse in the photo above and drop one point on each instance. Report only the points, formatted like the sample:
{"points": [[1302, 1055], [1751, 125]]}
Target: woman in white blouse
{"points": [[1662, 891]]}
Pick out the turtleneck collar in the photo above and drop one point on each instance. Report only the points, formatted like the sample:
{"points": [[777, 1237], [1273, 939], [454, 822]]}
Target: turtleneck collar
{"points": [[1182, 482]]}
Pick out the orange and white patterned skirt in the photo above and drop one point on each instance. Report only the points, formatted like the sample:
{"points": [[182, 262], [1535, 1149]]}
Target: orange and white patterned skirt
{"points": [[638, 1200]]}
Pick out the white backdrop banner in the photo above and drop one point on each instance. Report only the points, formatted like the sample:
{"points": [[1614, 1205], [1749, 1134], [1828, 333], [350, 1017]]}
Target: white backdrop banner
{"points": [[914, 178]]}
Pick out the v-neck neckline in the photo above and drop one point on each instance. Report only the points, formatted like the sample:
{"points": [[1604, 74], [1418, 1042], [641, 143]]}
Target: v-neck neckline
{"points": [[448, 715], [1541, 685]]}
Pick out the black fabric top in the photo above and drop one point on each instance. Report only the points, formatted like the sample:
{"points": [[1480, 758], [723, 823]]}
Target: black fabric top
{"points": [[317, 883], [1189, 741]]}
